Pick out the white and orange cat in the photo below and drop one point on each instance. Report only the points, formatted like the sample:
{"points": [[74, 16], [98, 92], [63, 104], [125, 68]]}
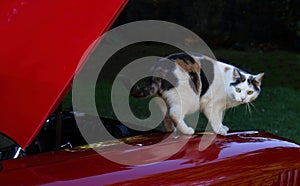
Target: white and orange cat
{"points": [[199, 83]]}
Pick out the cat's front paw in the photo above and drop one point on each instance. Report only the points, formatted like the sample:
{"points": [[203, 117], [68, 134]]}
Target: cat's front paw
{"points": [[226, 128], [188, 131], [223, 130]]}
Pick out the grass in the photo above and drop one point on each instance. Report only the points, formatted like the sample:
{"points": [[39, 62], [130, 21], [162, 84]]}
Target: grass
{"points": [[276, 110]]}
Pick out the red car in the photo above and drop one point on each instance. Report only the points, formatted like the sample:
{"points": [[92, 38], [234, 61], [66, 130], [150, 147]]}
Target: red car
{"points": [[42, 43]]}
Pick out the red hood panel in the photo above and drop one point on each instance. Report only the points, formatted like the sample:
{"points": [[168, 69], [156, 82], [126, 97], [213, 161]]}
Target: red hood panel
{"points": [[42, 43], [239, 158]]}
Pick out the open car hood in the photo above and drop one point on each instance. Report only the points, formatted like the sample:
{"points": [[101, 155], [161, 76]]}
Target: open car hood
{"points": [[42, 43]]}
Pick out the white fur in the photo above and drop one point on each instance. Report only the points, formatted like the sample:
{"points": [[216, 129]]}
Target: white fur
{"points": [[182, 100]]}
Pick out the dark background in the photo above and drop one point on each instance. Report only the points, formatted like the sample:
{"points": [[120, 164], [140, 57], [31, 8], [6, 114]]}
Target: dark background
{"points": [[237, 24]]}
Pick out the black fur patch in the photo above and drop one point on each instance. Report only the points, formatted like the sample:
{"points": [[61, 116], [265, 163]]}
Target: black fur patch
{"points": [[251, 81], [238, 80], [160, 79], [194, 81], [166, 85], [188, 63], [206, 75], [183, 56], [204, 83]]}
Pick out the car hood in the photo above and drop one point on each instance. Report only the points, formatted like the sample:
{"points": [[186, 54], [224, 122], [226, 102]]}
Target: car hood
{"points": [[240, 158], [42, 44]]}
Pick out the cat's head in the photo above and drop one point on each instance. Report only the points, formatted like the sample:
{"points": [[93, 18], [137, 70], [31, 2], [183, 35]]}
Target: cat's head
{"points": [[244, 87]]}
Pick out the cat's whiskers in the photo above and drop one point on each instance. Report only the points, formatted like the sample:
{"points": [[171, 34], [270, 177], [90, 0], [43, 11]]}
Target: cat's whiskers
{"points": [[253, 106], [233, 108], [248, 108]]}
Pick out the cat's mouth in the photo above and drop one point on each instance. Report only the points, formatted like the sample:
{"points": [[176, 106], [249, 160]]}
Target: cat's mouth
{"points": [[242, 101]]}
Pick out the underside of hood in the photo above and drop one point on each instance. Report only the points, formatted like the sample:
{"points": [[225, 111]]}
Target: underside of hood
{"points": [[42, 43]]}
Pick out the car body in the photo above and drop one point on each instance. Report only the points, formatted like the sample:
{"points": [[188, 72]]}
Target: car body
{"points": [[242, 158], [42, 45]]}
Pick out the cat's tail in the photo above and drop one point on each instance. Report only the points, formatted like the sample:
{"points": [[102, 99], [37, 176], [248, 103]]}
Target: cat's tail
{"points": [[150, 89], [143, 92]]}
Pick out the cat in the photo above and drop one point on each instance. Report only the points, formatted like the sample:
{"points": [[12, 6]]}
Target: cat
{"points": [[199, 83]]}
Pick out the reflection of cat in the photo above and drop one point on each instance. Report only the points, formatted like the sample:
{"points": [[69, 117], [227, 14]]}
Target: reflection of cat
{"points": [[199, 83]]}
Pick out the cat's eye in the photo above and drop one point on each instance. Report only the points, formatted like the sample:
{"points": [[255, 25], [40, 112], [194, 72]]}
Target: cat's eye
{"points": [[238, 90], [249, 92]]}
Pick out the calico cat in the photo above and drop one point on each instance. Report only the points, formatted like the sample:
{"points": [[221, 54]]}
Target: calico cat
{"points": [[199, 83]]}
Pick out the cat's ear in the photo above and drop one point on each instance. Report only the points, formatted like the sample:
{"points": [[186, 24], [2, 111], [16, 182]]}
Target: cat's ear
{"points": [[258, 78], [236, 74]]}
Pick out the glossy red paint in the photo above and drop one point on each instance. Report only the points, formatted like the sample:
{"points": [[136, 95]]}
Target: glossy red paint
{"points": [[242, 158], [42, 42]]}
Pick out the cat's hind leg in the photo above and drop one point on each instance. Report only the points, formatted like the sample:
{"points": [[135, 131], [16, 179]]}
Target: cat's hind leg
{"points": [[169, 127], [168, 124], [177, 119]]}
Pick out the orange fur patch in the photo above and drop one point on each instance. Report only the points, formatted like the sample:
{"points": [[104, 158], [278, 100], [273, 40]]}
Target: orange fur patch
{"points": [[188, 66], [191, 68]]}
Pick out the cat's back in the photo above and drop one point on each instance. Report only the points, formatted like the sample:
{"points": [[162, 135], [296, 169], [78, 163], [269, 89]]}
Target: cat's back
{"points": [[187, 89], [198, 69]]}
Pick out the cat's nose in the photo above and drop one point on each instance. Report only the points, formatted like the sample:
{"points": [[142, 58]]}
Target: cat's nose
{"points": [[243, 99]]}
